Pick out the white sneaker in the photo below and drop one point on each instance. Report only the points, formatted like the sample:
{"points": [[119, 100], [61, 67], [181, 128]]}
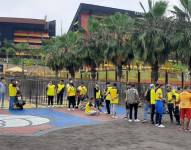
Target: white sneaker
{"points": [[73, 109], [48, 106], [161, 126], [156, 125], [130, 120], [137, 120], [69, 109]]}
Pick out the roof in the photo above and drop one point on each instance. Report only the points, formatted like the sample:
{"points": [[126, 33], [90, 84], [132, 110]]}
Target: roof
{"points": [[100, 11], [22, 20]]}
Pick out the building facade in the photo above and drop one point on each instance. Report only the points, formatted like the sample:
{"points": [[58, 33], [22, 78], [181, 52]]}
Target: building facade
{"points": [[85, 11], [23, 30]]}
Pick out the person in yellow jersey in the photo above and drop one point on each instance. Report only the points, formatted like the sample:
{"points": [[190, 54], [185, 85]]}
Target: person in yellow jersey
{"points": [[50, 93], [114, 99], [12, 94], [71, 94], [98, 97], [153, 102], [60, 92], [159, 106], [185, 108], [170, 102], [82, 90], [90, 109], [175, 97], [108, 97]]}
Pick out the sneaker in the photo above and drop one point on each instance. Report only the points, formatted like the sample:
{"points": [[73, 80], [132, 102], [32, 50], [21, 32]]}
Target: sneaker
{"points": [[156, 125], [69, 109], [161, 126], [73, 109], [130, 120], [144, 121], [137, 120], [125, 118], [48, 106]]}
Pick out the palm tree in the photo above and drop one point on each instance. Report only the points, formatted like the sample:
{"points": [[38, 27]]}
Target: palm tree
{"points": [[182, 38], [92, 52], [118, 30], [54, 57], [153, 36], [71, 45]]}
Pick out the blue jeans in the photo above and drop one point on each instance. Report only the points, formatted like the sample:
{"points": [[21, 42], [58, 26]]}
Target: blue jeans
{"points": [[146, 110], [11, 102], [159, 111], [2, 98]]}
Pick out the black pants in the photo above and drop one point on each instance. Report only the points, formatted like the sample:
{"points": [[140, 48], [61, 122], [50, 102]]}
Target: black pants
{"points": [[72, 101], [59, 98], [131, 107], [152, 112], [50, 100], [171, 111], [107, 102], [158, 118], [80, 98], [177, 115]]}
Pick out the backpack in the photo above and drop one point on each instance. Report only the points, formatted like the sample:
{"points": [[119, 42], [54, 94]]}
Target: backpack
{"points": [[148, 96]]}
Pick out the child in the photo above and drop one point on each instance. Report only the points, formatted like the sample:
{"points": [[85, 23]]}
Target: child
{"points": [[90, 110], [114, 99], [19, 102]]}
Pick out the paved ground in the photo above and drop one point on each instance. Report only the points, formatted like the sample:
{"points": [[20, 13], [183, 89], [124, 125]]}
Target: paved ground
{"points": [[116, 135], [59, 129]]}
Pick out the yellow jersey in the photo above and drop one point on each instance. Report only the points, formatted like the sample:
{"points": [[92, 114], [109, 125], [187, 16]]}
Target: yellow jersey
{"points": [[71, 91], [88, 107], [169, 97], [108, 95], [83, 90], [185, 99], [159, 94], [153, 97], [98, 94], [114, 96], [60, 87], [51, 90], [12, 90]]}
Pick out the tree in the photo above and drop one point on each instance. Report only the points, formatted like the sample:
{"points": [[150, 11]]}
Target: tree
{"points": [[54, 57], [153, 36], [92, 51], [119, 30], [71, 45], [182, 38]]}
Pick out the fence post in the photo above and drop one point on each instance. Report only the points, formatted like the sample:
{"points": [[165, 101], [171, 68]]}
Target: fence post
{"points": [[97, 75], [115, 74], [127, 76], [106, 74], [166, 77], [182, 80], [139, 76]]}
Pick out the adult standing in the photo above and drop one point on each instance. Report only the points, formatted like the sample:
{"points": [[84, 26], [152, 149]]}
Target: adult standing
{"points": [[114, 99], [147, 102], [185, 108], [153, 102], [12, 94], [82, 93], [98, 96], [170, 102], [159, 106], [108, 97], [133, 101], [50, 93], [2, 91], [71, 94], [60, 92]]}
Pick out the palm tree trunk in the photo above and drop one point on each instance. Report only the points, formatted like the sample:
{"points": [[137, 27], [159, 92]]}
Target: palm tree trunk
{"points": [[155, 73], [189, 68], [72, 73], [56, 73], [119, 71], [93, 73]]}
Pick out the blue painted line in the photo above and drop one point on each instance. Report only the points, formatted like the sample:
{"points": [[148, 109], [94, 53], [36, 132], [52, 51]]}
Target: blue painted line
{"points": [[57, 119]]}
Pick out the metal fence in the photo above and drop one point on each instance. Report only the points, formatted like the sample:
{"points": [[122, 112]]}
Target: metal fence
{"points": [[34, 90]]}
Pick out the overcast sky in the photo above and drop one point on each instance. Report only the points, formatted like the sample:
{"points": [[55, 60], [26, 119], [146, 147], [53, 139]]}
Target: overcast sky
{"points": [[62, 10]]}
